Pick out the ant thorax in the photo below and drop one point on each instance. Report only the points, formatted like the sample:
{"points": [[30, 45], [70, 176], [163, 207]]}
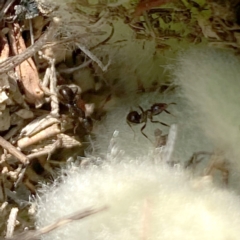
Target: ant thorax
{"points": [[148, 114]]}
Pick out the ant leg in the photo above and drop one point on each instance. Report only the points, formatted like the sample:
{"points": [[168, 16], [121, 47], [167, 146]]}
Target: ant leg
{"points": [[166, 111], [172, 103], [159, 122], [143, 127], [131, 128], [141, 109]]}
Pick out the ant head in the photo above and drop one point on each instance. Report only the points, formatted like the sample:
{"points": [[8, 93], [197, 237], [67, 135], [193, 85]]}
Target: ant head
{"points": [[157, 108], [134, 117]]}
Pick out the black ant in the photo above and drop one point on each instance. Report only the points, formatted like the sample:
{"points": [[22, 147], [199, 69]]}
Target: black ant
{"points": [[75, 105], [135, 118]]}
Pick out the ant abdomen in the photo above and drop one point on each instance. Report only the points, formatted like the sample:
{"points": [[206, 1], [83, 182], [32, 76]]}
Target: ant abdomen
{"points": [[134, 117]]}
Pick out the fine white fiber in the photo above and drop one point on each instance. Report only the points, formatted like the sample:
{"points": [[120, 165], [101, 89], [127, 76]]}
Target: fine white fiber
{"points": [[209, 80], [190, 138], [144, 200]]}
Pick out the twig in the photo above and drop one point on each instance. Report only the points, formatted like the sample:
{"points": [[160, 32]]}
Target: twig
{"points": [[93, 57], [14, 151], [50, 79], [168, 149], [3, 206], [39, 124], [48, 151], [53, 91], [44, 134], [20, 177], [26, 71], [32, 40], [104, 41], [12, 62], [3, 199], [5, 8], [14, 130], [71, 39], [73, 69], [32, 235], [11, 222]]}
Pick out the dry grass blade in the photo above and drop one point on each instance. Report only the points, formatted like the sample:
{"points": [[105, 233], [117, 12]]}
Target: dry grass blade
{"points": [[14, 151], [12, 62], [32, 235], [44, 134], [26, 71], [11, 222]]}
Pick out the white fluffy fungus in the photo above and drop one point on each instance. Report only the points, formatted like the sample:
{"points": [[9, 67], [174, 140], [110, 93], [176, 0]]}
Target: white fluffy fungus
{"points": [[190, 138], [209, 79], [150, 200], [145, 201]]}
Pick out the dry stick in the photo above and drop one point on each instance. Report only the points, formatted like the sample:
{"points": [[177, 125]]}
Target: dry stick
{"points": [[44, 134], [32, 39], [12, 62], [53, 90], [72, 39], [3, 206], [14, 151], [32, 235], [93, 57], [168, 149], [5, 8], [104, 41], [26, 71], [73, 69], [4, 198], [20, 177], [50, 79], [11, 222], [48, 151], [38, 125]]}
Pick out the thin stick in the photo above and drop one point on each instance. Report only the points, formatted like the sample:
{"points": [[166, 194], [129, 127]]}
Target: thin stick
{"points": [[48, 151], [53, 90], [44, 134], [12, 62], [32, 235], [3, 206], [14, 151], [11, 222], [73, 69], [93, 57], [5, 8], [168, 149], [20, 177]]}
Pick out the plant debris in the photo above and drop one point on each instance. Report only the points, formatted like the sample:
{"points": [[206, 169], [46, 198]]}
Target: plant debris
{"points": [[42, 52]]}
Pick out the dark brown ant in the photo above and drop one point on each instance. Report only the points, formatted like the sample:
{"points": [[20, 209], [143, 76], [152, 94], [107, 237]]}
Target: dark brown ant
{"points": [[136, 118], [69, 98], [75, 105]]}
